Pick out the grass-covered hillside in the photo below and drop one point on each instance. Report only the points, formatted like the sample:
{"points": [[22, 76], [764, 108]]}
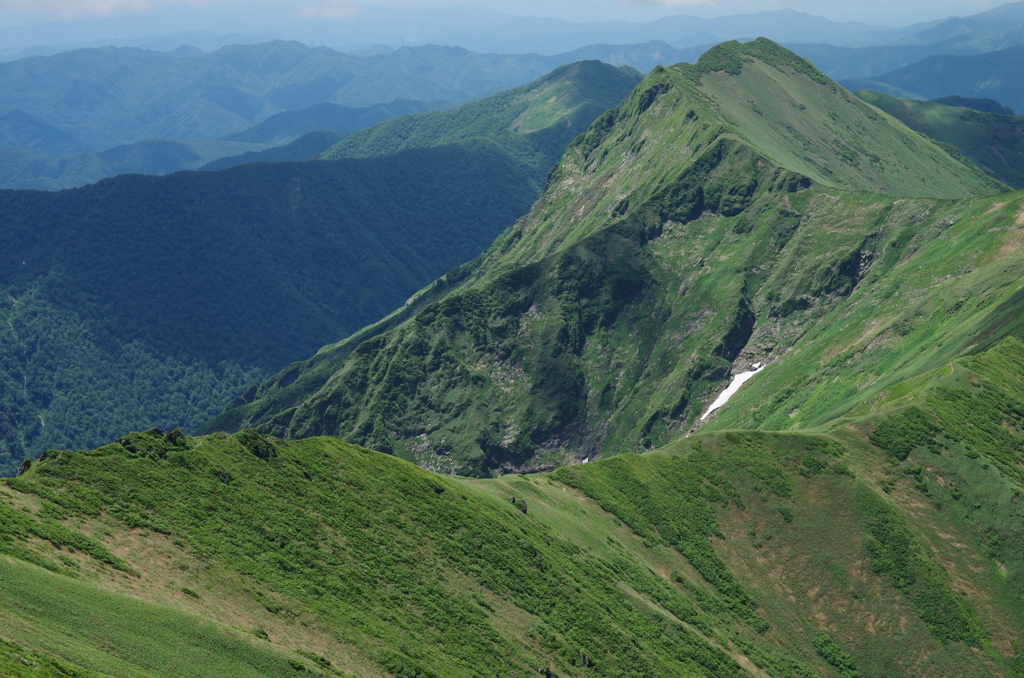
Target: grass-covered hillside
{"points": [[888, 546], [533, 123], [724, 211], [142, 301], [991, 140]]}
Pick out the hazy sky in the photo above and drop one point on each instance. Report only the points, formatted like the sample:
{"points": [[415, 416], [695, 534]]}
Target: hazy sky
{"points": [[878, 12]]}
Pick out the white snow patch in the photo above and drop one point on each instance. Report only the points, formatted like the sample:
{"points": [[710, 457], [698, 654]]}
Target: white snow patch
{"points": [[730, 391]]}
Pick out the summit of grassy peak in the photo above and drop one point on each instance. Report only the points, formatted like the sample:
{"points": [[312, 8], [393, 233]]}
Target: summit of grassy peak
{"points": [[730, 57], [533, 123], [710, 221], [784, 106]]}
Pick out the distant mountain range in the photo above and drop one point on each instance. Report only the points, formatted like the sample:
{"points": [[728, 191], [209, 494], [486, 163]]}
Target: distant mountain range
{"points": [[474, 28], [318, 127], [24, 169], [67, 103], [995, 75], [169, 106]]}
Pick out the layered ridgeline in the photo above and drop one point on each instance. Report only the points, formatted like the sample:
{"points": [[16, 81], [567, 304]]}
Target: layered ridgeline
{"points": [[995, 75], [143, 301], [533, 123], [286, 136], [990, 138], [722, 211], [890, 547], [24, 169]]}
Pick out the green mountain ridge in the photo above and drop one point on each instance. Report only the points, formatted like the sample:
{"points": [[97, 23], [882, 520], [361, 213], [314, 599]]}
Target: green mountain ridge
{"points": [[288, 126], [989, 138], [691, 232], [854, 510], [306, 147], [534, 122]]}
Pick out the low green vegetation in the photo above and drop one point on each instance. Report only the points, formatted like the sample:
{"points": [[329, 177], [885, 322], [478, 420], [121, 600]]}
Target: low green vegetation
{"points": [[334, 558], [835, 656], [16, 662], [988, 139], [326, 557]]}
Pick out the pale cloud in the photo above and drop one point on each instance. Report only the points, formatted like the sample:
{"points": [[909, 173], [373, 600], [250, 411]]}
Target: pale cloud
{"points": [[328, 9], [102, 7], [673, 3]]}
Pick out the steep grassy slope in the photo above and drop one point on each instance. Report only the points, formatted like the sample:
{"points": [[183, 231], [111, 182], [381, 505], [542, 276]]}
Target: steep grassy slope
{"points": [[935, 280], [743, 553], [991, 140], [534, 123], [705, 224], [154, 300]]}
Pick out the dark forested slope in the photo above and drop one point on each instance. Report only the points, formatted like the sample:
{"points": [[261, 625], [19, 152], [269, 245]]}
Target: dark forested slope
{"points": [[149, 300]]}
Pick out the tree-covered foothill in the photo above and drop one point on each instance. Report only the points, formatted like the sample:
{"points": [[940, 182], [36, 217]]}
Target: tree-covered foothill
{"points": [[155, 300]]}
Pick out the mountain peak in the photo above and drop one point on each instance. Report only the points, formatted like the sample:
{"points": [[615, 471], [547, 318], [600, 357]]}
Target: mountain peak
{"points": [[730, 57]]}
